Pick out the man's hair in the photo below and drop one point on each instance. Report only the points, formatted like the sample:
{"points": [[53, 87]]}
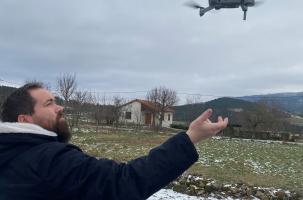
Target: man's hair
{"points": [[19, 102]]}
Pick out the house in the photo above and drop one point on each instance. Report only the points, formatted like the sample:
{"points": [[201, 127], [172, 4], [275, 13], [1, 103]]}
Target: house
{"points": [[141, 112]]}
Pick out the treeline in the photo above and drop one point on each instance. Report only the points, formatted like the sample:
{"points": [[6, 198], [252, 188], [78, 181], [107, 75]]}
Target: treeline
{"points": [[84, 107], [4, 92], [236, 132], [87, 108], [99, 110], [80, 106], [245, 118]]}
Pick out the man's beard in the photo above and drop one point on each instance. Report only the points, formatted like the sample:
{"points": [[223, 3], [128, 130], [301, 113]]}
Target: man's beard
{"points": [[62, 129]]}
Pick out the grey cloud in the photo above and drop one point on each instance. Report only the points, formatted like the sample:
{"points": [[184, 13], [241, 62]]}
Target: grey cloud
{"points": [[136, 45]]}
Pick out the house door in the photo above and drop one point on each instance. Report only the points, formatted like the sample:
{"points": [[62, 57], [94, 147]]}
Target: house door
{"points": [[147, 118]]}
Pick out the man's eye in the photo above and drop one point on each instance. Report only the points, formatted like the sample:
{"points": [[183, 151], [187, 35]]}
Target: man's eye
{"points": [[49, 103]]}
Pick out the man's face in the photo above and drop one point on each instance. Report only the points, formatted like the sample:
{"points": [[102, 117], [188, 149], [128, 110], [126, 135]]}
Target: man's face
{"points": [[48, 114]]}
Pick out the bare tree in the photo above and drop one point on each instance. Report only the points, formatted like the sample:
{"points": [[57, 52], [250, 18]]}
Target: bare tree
{"points": [[167, 99], [112, 112], [77, 104], [66, 86], [98, 112], [137, 119], [117, 112], [106, 111], [162, 98], [153, 97]]}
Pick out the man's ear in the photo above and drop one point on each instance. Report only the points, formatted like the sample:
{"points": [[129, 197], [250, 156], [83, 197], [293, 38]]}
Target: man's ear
{"points": [[25, 119]]}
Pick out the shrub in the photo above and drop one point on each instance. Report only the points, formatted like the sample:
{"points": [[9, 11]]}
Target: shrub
{"points": [[179, 126]]}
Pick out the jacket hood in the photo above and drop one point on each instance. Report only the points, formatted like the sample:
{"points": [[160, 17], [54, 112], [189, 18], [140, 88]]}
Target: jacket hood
{"points": [[16, 138]]}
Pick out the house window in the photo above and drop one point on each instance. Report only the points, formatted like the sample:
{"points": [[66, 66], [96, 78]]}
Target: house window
{"points": [[128, 115], [168, 117]]}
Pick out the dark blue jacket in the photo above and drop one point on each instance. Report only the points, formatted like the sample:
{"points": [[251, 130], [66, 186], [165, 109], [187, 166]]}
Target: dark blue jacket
{"points": [[37, 166]]}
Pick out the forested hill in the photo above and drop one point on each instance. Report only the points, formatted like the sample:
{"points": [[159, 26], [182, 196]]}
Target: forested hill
{"points": [[222, 106], [235, 109], [5, 91], [289, 102]]}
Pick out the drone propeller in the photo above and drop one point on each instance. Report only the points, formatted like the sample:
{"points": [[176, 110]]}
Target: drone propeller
{"points": [[193, 4]]}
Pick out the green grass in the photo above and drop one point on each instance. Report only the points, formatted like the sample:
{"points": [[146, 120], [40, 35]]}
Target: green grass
{"points": [[278, 165], [228, 161]]}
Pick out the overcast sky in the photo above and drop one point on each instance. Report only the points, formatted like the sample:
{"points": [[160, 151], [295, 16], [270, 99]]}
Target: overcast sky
{"points": [[135, 45]]}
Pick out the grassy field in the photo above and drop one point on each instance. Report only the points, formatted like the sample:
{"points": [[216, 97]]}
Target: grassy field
{"points": [[296, 120], [228, 161]]}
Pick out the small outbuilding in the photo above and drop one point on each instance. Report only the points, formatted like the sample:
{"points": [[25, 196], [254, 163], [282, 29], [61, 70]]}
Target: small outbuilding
{"points": [[142, 112]]}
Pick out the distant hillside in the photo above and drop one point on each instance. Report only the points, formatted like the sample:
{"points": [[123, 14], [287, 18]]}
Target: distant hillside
{"points": [[188, 112], [242, 113], [245, 114], [289, 102], [222, 106]]}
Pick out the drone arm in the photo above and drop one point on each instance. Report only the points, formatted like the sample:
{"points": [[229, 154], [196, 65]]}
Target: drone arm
{"points": [[204, 10], [208, 8]]}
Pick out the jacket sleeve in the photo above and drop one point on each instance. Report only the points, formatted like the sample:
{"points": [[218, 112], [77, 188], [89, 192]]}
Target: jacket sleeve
{"points": [[70, 174]]}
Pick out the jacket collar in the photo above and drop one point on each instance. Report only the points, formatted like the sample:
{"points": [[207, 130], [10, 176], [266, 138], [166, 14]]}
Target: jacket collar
{"points": [[17, 127]]}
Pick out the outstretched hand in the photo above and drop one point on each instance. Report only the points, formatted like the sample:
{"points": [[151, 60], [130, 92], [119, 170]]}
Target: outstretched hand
{"points": [[202, 128]]}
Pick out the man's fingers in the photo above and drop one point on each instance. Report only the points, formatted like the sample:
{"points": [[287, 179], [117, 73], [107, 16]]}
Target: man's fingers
{"points": [[226, 120], [220, 119], [205, 115], [220, 125]]}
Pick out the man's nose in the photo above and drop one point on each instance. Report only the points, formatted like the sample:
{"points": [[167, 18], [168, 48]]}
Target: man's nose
{"points": [[59, 108]]}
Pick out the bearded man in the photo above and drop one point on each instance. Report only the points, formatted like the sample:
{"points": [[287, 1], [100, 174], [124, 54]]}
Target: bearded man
{"points": [[37, 162]]}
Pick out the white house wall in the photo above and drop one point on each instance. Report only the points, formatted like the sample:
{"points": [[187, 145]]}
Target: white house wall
{"points": [[135, 109], [166, 122], [138, 116]]}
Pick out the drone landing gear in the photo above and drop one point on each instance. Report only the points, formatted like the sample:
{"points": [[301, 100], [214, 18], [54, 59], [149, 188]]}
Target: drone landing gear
{"points": [[244, 16], [244, 8]]}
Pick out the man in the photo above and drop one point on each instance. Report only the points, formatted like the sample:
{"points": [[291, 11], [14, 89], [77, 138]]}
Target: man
{"points": [[36, 162]]}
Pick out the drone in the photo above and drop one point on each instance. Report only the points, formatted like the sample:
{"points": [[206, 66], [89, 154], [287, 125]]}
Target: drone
{"points": [[218, 4]]}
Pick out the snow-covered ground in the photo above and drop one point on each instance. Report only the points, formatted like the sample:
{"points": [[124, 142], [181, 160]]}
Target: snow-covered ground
{"points": [[166, 194]]}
